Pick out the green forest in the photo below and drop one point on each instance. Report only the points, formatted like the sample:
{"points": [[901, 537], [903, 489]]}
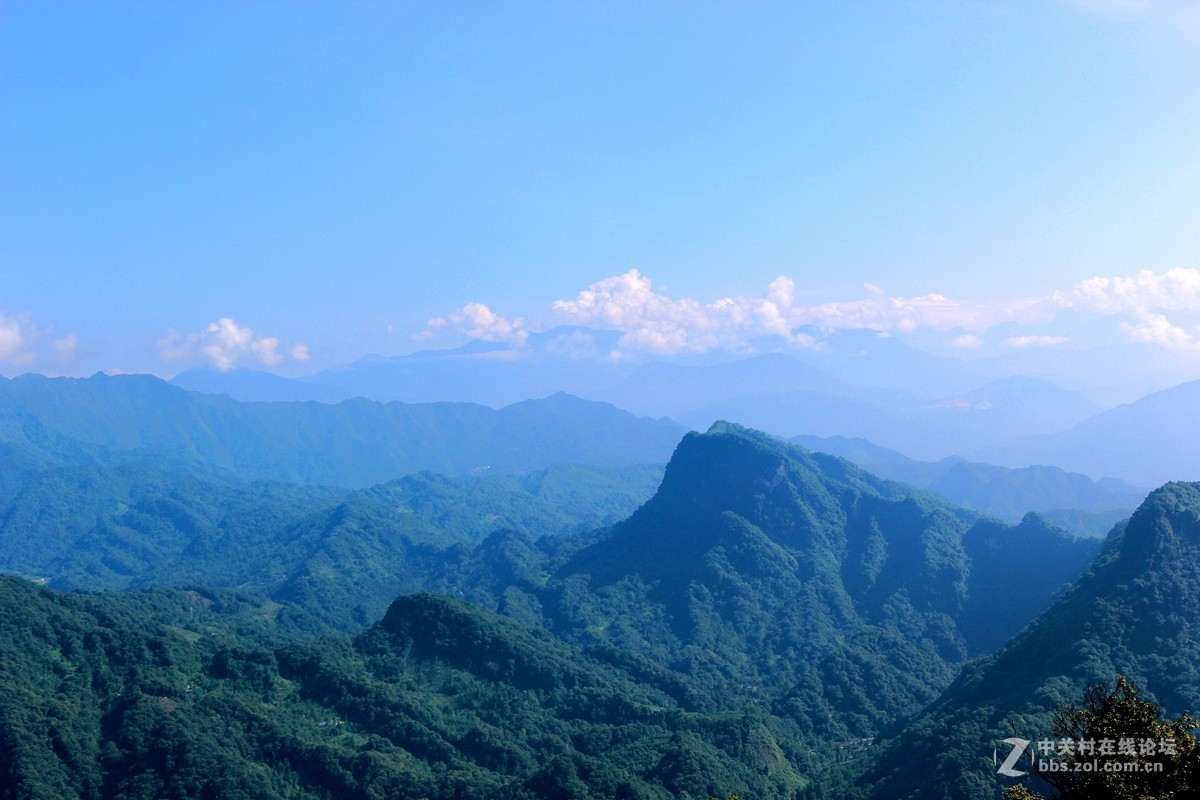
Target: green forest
{"points": [[754, 619]]}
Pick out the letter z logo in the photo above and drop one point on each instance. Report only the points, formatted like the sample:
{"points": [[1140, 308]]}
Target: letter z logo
{"points": [[1018, 748]]}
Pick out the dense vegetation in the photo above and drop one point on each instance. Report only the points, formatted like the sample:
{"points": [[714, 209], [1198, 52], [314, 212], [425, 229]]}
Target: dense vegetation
{"points": [[343, 555], [171, 695], [1133, 613], [750, 629], [830, 596]]}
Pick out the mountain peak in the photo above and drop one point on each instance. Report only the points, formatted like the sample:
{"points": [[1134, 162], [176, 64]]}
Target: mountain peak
{"points": [[1168, 520]]}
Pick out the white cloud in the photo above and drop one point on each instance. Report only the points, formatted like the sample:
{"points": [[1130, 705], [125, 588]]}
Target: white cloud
{"points": [[1035, 341], [659, 324], [300, 352], [1174, 290], [934, 311], [1157, 329], [478, 322], [432, 328], [223, 345], [24, 344], [655, 323], [1143, 298], [267, 350], [651, 321]]}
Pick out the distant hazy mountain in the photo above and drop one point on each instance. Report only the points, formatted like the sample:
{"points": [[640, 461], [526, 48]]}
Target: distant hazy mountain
{"points": [[570, 359], [1148, 442], [924, 428], [106, 419], [866, 357], [253, 385], [999, 491], [1132, 614], [1112, 373], [563, 359], [685, 390], [849, 383]]}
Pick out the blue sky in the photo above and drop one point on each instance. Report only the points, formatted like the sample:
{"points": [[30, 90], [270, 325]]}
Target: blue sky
{"points": [[292, 186]]}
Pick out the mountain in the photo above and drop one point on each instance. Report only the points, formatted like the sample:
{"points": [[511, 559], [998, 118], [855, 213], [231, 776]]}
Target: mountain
{"points": [[567, 358], [1000, 410], [1148, 442], [352, 559], [1112, 373], [882, 461], [181, 694], [837, 599], [763, 615], [343, 556], [684, 390], [1002, 492], [868, 357], [250, 385], [1133, 614], [113, 419], [1014, 403], [849, 383], [138, 524]]}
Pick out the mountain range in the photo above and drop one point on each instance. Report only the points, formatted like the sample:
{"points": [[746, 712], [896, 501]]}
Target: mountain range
{"points": [[758, 618], [356, 443], [1071, 499], [778, 393], [764, 605], [854, 384], [1148, 442]]}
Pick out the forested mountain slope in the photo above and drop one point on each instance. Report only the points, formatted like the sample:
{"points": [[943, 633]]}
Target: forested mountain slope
{"points": [[343, 555], [357, 443], [835, 598], [763, 615], [168, 695], [1133, 613]]}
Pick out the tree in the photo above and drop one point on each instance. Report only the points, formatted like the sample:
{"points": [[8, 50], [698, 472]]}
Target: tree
{"points": [[1114, 747]]}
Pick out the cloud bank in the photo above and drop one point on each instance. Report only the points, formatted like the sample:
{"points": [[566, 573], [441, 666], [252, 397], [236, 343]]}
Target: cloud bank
{"points": [[1142, 299], [655, 323], [1145, 308], [225, 344]]}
